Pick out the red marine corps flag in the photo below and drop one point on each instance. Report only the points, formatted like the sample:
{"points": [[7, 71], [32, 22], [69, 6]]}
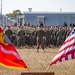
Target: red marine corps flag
{"points": [[9, 57], [66, 51]]}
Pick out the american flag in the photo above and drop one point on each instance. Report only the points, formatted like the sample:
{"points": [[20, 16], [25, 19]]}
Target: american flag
{"points": [[67, 50]]}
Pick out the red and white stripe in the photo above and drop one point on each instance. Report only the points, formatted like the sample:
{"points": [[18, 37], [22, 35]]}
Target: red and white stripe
{"points": [[67, 50]]}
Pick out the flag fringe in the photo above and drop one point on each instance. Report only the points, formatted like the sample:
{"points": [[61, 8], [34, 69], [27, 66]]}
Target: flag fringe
{"points": [[14, 67]]}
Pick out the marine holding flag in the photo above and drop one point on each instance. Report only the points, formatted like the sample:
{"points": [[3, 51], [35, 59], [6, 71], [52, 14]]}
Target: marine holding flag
{"points": [[9, 57]]}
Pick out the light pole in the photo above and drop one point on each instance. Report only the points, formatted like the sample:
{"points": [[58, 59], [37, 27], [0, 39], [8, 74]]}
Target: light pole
{"points": [[1, 12]]}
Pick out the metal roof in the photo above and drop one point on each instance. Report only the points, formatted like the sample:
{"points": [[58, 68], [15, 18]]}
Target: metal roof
{"points": [[49, 12]]}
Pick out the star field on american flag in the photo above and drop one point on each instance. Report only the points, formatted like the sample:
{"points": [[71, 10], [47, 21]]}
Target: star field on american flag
{"points": [[73, 31]]}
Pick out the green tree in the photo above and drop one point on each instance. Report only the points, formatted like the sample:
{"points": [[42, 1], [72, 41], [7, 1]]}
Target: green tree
{"points": [[16, 12], [13, 14]]}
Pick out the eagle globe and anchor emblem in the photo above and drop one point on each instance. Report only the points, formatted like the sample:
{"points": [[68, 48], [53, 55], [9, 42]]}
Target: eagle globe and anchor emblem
{"points": [[2, 40]]}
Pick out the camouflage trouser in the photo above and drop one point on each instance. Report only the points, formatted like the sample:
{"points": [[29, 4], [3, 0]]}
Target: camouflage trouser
{"points": [[20, 42], [40, 42], [59, 42]]}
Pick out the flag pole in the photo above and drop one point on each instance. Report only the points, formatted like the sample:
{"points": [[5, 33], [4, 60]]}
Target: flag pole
{"points": [[47, 68], [28, 70]]}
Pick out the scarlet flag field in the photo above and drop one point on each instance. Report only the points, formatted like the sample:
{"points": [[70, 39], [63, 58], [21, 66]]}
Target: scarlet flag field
{"points": [[39, 61]]}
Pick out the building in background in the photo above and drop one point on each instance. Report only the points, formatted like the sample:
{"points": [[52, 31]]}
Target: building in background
{"points": [[40, 18], [6, 21], [49, 18], [20, 18]]}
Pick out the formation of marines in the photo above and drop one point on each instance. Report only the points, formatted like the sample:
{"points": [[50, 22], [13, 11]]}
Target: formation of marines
{"points": [[37, 36]]}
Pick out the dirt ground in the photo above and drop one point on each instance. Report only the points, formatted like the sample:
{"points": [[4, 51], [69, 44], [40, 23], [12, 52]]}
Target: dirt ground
{"points": [[38, 62]]}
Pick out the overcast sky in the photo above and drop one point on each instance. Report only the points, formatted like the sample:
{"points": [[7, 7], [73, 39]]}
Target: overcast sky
{"points": [[38, 5]]}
